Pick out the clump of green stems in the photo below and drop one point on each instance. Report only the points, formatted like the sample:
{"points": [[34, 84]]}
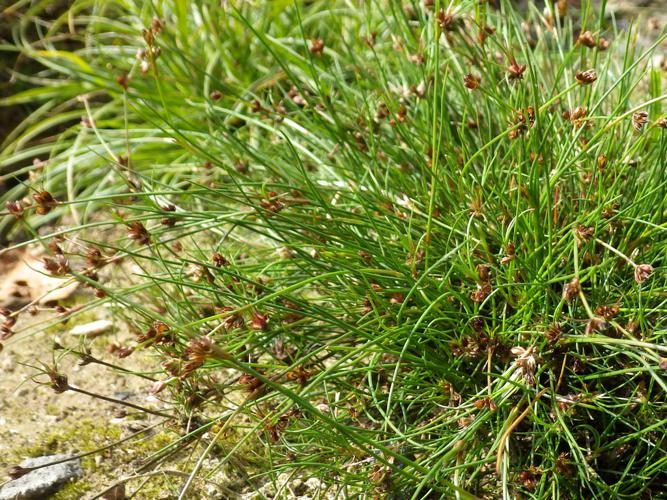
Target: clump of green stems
{"points": [[428, 238]]}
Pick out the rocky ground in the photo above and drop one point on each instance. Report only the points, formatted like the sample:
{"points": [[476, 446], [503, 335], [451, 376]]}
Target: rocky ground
{"points": [[37, 422]]}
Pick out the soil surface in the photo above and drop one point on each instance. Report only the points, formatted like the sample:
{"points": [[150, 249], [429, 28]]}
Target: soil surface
{"points": [[35, 420]]}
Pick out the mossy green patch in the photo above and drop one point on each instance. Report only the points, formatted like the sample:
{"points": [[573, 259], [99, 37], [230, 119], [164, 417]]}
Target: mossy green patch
{"points": [[88, 435], [69, 437]]}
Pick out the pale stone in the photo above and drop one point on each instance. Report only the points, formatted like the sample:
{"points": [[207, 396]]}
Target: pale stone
{"points": [[92, 329]]}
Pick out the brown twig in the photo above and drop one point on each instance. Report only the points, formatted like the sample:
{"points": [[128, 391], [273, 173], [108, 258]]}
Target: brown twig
{"points": [[120, 402], [25, 470]]}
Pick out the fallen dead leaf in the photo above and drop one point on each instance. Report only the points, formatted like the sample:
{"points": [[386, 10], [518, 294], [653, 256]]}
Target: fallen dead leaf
{"points": [[22, 282]]}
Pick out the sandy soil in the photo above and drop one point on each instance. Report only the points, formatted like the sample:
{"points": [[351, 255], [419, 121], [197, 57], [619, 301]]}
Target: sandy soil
{"points": [[35, 420]]}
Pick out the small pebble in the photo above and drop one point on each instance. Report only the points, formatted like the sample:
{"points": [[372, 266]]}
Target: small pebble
{"points": [[92, 329]]}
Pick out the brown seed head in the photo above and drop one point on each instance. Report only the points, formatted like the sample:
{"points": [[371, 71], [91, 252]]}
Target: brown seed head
{"points": [[595, 325], [448, 21], [15, 208], [583, 233], [576, 113], [396, 298], [483, 272], [485, 32], [45, 201], [137, 231], [219, 260], [199, 348], [571, 290], [57, 266], [250, 382], [123, 81], [259, 321], [482, 292], [526, 362], [554, 333], [643, 272], [516, 70], [602, 161], [587, 40], [156, 25], [58, 381], [607, 312], [471, 81], [639, 119], [124, 352], [586, 77], [317, 46]]}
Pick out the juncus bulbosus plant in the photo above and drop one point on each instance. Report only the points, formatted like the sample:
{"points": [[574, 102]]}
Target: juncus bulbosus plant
{"points": [[428, 238]]}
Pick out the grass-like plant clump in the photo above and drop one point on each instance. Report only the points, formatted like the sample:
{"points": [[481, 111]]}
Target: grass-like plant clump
{"points": [[428, 239]]}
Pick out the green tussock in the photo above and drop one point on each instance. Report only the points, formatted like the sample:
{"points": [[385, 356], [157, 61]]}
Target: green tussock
{"points": [[416, 251]]}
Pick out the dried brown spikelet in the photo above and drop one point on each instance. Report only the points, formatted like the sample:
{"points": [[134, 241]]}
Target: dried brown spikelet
{"points": [[471, 81], [553, 333], [482, 292], [483, 272], [219, 260], [571, 290], [607, 312], [259, 321], [516, 70], [198, 349], [123, 80], [15, 208], [57, 266], [137, 231], [156, 25], [639, 119], [587, 40], [484, 33], [317, 46], [45, 202], [448, 20], [643, 272], [58, 381], [602, 161], [586, 77]]}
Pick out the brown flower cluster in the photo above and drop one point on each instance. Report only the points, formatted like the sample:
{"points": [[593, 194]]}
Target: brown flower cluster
{"points": [[158, 333], [57, 381], [587, 39], [643, 272], [571, 290], [585, 77], [200, 349], [45, 202], [471, 82], [521, 121], [516, 70], [136, 231], [56, 266], [317, 46]]}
